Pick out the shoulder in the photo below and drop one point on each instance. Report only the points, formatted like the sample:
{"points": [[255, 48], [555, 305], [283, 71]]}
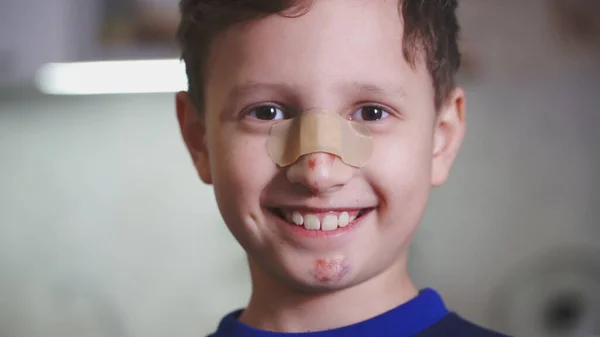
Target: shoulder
{"points": [[455, 326]]}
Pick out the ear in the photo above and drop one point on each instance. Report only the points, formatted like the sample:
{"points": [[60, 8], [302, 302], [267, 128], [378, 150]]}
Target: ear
{"points": [[448, 135], [193, 130]]}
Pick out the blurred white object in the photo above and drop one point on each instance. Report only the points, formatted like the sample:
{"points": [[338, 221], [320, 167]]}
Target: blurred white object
{"points": [[59, 31], [112, 77]]}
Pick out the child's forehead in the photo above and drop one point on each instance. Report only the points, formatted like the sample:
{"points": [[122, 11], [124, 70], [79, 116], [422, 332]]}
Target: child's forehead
{"points": [[334, 20], [342, 42], [326, 25]]}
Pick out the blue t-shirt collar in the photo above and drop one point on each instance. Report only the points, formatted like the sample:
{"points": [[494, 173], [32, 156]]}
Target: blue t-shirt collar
{"points": [[408, 319]]}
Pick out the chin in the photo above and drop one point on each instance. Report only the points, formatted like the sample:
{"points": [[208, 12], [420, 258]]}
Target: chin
{"points": [[322, 272], [311, 283]]}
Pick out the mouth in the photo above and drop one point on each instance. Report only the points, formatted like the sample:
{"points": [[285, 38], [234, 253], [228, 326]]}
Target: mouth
{"points": [[320, 220]]}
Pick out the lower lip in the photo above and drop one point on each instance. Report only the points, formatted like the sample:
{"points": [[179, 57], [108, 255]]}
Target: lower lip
{"points": [[297, 230]]}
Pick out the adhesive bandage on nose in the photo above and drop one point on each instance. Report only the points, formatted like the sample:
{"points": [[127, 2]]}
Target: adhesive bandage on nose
{"points": [[320, 131]]}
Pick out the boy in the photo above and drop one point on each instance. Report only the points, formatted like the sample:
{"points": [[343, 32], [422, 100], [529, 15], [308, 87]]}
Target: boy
{"points": [[322, 126]]}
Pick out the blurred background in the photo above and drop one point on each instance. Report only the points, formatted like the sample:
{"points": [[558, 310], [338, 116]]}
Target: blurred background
{"points": [[105, 229]]}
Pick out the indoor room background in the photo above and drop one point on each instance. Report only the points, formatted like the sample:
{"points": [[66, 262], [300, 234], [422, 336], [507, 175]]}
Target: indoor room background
{"points": [[106, 230]]}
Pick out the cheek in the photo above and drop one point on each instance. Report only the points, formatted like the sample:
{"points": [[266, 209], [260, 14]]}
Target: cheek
{"points": [[400, 173], [402, 160], [241, 170], [240, 166]]}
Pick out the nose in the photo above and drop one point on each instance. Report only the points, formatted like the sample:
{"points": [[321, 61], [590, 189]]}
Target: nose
{"points": [[320, 172]]}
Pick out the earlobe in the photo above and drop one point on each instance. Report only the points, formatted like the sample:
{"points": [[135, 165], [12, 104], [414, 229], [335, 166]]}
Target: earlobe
{"points": [[448, 135], [193, 131]]}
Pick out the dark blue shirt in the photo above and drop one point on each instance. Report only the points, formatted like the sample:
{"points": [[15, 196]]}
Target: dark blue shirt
{"points": [[424, 316]]}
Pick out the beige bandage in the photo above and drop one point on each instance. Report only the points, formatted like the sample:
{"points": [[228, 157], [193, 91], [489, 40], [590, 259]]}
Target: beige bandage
{"points": [[320, 131]]}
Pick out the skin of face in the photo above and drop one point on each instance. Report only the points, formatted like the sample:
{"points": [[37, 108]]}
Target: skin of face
{"points": [[344, 56]]}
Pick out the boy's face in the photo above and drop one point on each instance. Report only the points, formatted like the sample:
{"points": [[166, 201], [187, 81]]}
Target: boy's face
{"points": [[345, 56]]}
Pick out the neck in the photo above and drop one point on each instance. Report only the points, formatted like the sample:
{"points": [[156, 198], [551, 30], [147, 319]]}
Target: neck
{"points": [[275, 306]]}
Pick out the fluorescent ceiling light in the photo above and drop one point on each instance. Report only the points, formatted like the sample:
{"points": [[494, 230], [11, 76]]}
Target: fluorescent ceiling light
{"points": [[112, 77]]}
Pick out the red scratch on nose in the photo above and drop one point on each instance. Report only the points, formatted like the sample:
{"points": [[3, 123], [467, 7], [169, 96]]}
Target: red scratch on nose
{"points": [[331, 158], [312, 163]]}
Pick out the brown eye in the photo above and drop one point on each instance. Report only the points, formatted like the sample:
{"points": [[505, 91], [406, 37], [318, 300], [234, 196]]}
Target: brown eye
{"points": [[370, 113], [267, 113]]}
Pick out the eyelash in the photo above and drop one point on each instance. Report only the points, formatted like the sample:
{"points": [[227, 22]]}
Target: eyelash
{"points": [[388, 112], [286, 115], [247, 111]]}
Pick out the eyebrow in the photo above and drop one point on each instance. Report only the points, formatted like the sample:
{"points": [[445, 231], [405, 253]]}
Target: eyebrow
{"points": [[373, 89], [248, 87]]}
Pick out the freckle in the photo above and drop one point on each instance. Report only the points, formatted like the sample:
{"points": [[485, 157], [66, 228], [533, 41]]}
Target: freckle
{"points": [[312, 163]]}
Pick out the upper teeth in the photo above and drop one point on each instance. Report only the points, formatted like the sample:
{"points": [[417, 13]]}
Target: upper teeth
{"points": [[311, 221]]}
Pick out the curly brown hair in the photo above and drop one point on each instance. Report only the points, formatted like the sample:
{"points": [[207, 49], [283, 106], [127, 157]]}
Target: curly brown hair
{"points": [[431, 31]]}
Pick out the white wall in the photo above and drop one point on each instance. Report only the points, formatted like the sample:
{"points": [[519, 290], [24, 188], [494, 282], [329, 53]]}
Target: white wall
{"points": [[99, 194]]}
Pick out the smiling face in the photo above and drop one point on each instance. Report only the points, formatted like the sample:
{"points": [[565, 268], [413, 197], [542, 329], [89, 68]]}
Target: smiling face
{"points": [[319, 223]]}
